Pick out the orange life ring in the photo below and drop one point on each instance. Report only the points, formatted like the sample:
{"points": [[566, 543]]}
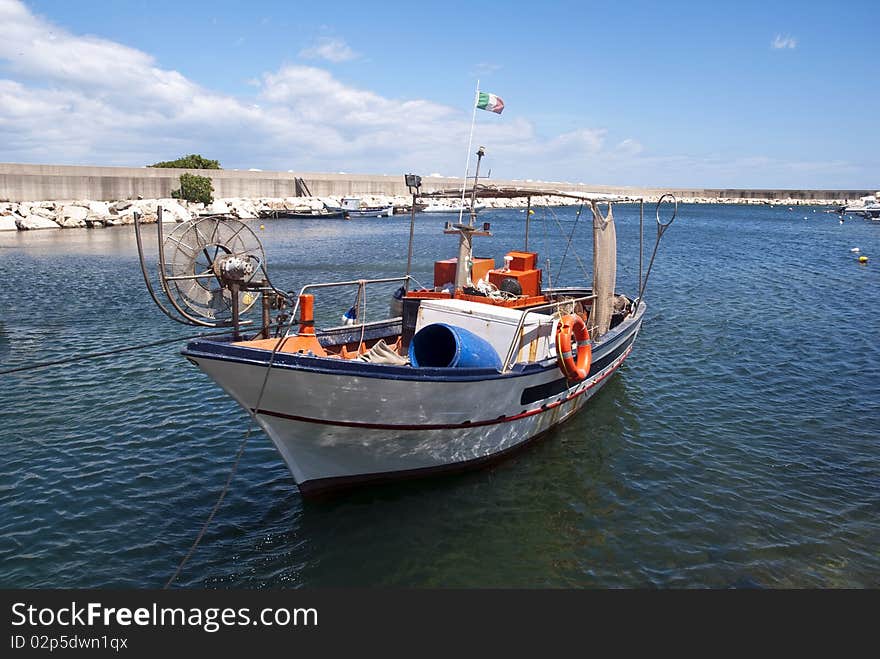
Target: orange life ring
{"points": [[573, 325]]}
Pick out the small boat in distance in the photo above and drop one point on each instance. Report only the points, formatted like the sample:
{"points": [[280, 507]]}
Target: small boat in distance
{"points": [[868, 207], [352, 208], [327, 213]]}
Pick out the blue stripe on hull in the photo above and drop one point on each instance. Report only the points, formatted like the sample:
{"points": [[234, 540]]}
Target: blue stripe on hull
{"points": [[574, 391], [224, 351]]}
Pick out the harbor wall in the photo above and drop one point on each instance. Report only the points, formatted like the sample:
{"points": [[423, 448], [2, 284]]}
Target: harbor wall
{"points": [[21, 182]]}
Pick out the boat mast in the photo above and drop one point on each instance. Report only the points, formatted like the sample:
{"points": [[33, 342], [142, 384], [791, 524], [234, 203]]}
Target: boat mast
{"points": [[528, 220], [466, 233], [413, 183], [473, 210], [467, 166]]}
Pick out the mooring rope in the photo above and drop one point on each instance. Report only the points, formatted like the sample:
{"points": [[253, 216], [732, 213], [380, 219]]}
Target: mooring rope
{"points": [[108, 353], [214, 510], [142, 346], [253, 415]]}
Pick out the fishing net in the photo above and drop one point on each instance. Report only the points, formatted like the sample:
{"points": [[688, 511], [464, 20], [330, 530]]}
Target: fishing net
{"points": [[604, 270]]}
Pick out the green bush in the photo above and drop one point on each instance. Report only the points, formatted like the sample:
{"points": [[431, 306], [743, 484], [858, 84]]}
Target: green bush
{"points": [[192, 161], [195, 188]]}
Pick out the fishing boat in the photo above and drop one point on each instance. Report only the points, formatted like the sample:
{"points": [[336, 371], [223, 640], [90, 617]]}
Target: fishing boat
{"points": [[459, 374], [311, 214], [352, 208], [868, 207]]}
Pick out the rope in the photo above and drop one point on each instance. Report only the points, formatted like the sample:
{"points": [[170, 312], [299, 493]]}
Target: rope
{"points": [[587, 275], [417, 282], [253, 416], [153, 344], [214, 510], [568, 244], [107, 353]]}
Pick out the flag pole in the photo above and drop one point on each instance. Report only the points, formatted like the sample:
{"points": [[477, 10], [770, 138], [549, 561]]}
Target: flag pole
{"points": [[468, 162]]}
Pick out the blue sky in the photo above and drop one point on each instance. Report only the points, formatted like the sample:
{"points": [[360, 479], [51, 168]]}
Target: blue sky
{"points": [[670, 94]]}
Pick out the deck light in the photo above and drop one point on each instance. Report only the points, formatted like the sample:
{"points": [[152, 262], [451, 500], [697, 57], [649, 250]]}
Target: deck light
{"points": [[413, 182]]}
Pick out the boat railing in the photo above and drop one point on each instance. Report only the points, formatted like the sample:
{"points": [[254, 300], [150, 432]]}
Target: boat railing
{"points": [[360, 283], [517, 335]]}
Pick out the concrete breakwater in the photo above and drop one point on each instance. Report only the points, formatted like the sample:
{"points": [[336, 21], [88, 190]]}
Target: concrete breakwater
{"points": [[62, 196]]}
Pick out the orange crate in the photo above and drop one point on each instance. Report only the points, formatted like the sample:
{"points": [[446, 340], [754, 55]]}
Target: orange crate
{"points": [[444, 271], [529, 280], [480, 268], [523, 260]]}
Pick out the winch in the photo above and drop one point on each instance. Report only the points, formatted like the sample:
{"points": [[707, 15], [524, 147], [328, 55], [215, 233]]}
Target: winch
{"points": [[212, 270]]}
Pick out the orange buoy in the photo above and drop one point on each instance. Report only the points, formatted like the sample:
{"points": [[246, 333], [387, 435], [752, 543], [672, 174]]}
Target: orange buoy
{"points": [[573, 325]]}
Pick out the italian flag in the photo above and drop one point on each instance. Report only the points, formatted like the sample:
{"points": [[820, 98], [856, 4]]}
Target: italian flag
{"points": [[490, 102]]}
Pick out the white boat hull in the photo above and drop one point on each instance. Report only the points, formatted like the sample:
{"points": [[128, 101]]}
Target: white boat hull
{"points": [[870, 212], [335, 430], [371, 212]]}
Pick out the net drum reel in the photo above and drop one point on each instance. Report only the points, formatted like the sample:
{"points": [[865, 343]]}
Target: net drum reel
{"points": [[212, 270]]}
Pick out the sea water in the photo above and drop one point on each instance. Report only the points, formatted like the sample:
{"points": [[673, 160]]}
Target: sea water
{"points": [[739, 445]]}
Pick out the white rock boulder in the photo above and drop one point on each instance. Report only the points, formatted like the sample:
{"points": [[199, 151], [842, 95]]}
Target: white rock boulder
{"points": [[173, 211], [125, 216], [99, 214], [99, 208], [35, 222], [242, 208], [43, 211], [70, 217], [219, 207], [148, 208]]}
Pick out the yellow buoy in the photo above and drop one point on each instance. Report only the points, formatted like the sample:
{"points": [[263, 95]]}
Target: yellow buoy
{"points": [[262, 227], [531, 212], [863, 259]]}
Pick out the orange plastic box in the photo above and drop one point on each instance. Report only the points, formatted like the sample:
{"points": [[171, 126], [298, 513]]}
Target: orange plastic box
{"points": [[523, 260], [444, 271], [529, 280]]}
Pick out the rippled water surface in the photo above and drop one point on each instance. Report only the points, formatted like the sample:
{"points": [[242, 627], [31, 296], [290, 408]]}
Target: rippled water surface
{"points": [[738, 446]]}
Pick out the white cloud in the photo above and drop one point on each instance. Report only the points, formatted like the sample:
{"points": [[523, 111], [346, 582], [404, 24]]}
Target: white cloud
{"points": [[331, 49], [72, 99], [781, 42], [486, 68], [630, 146], [81, 99]]}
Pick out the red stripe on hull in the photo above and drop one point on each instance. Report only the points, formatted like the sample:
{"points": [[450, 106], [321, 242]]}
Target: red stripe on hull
{"points": [[447, 426], [322, 487]]}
